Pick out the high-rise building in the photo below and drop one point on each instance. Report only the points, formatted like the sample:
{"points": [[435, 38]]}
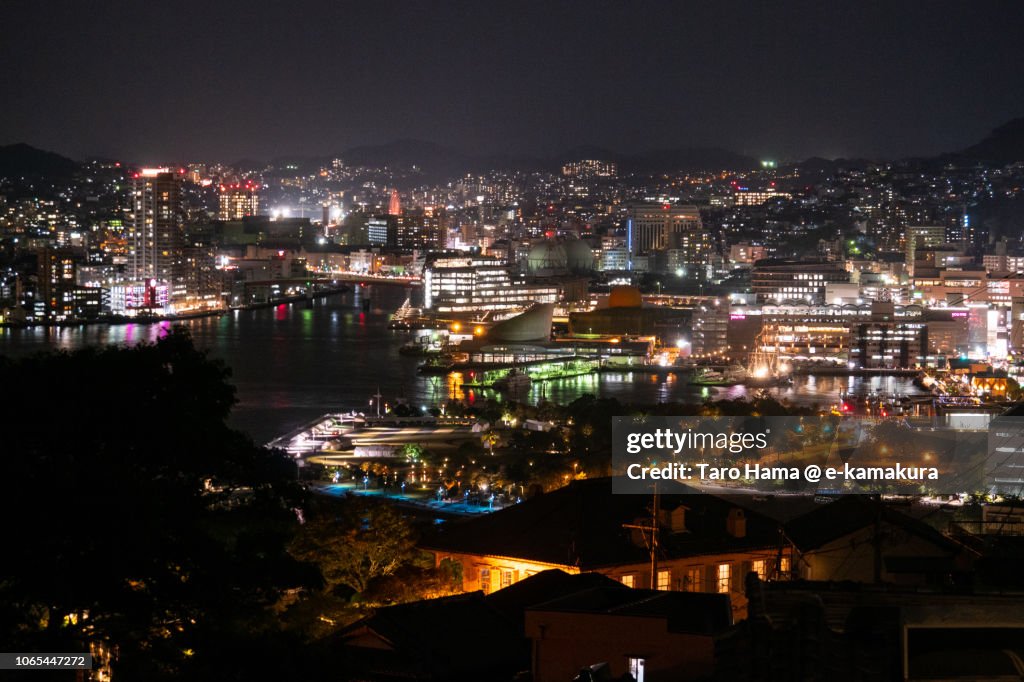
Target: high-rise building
{"points": [[394, 204], [422, 229], [382, 230], [651, 227], [157, 230], [918, 236], [239, 201], [56, 274]]}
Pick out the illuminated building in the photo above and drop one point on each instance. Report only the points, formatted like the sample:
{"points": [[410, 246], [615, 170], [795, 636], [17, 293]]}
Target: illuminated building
{"points": [[590, 168], [382, 230], [707, 544], [778, 281], [157, 229], [652, 227], [56, 274], [885, 341], [745, 254], [625, 315], [140, 298], [394, 204], [422, 229], [471, 285], [747, 197], [239, 201], [918, 236]]}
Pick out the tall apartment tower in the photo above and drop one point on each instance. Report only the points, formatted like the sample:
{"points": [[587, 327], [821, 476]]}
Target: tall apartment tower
{"points": [[157, 231]]}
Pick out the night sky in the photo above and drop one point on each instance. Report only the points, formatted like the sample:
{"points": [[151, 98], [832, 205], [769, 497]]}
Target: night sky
{"points": [[151, 81]]}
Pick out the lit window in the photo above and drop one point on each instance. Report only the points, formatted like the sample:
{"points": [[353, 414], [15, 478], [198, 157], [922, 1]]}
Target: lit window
{"points": [[724, 578], [784, 567], [636, 669], [485, 580], [629, 580], [760, 567], [506, 579], [665, 579]]}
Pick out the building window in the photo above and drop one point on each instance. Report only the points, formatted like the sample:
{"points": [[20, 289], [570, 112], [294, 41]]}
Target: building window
{"points": [[485, 580], [629, 580], [724, 578], [664, 579], [506, 579], [636, 669], [760, 566], [784, 567], [694, 580]]}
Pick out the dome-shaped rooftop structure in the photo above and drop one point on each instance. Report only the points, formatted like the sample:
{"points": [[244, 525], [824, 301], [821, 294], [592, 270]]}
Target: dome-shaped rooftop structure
{"points": [[624, 297], [546, 257], [532, 325], [578, 255]]}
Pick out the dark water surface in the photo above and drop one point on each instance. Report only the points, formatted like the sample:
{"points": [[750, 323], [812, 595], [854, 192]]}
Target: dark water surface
{"points": [[293, 363]]}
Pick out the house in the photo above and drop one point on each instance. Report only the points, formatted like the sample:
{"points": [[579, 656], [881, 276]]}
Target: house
{"points": [[451, 638], [469, 637], [803, 630], [863, 539], [704, 543], [653, 636]]}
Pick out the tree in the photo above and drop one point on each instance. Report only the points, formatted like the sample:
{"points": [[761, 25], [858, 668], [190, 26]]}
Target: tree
{"points": [[140, 519], [366, 540]]}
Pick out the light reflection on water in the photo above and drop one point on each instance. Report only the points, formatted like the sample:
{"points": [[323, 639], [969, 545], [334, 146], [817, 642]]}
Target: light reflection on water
{"points": [[292, 363]]}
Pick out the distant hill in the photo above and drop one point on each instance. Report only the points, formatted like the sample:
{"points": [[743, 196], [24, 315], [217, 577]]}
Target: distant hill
{"points": [[1003, 145], [22, 159], [441, 161]]}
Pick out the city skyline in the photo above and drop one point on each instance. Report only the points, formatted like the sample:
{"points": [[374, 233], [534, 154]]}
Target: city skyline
{"points": [[877, 80]]}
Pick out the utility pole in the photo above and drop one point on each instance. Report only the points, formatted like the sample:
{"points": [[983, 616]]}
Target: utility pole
{"points": [[652, 545]]}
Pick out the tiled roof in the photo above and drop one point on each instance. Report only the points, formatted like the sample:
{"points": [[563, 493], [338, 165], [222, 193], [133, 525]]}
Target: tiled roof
{"points": [[581, 525]]}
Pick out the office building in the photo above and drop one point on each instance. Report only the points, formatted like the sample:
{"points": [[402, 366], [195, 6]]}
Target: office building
{"points": [[918, 236], [778, 281], [651, 227], [470, 285]]}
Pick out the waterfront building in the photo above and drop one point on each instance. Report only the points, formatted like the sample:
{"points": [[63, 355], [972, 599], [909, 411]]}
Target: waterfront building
{"points": [[477, 285], [55, 274], [157, 229], [778, 281], [886, 341], [140, 298], [625, 315]]}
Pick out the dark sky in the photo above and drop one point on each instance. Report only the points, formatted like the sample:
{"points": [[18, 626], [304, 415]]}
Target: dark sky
{"points": [[154, 80]]}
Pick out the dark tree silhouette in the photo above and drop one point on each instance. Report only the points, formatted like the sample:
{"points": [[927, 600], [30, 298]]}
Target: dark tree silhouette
{"points": [[133, 515]]}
